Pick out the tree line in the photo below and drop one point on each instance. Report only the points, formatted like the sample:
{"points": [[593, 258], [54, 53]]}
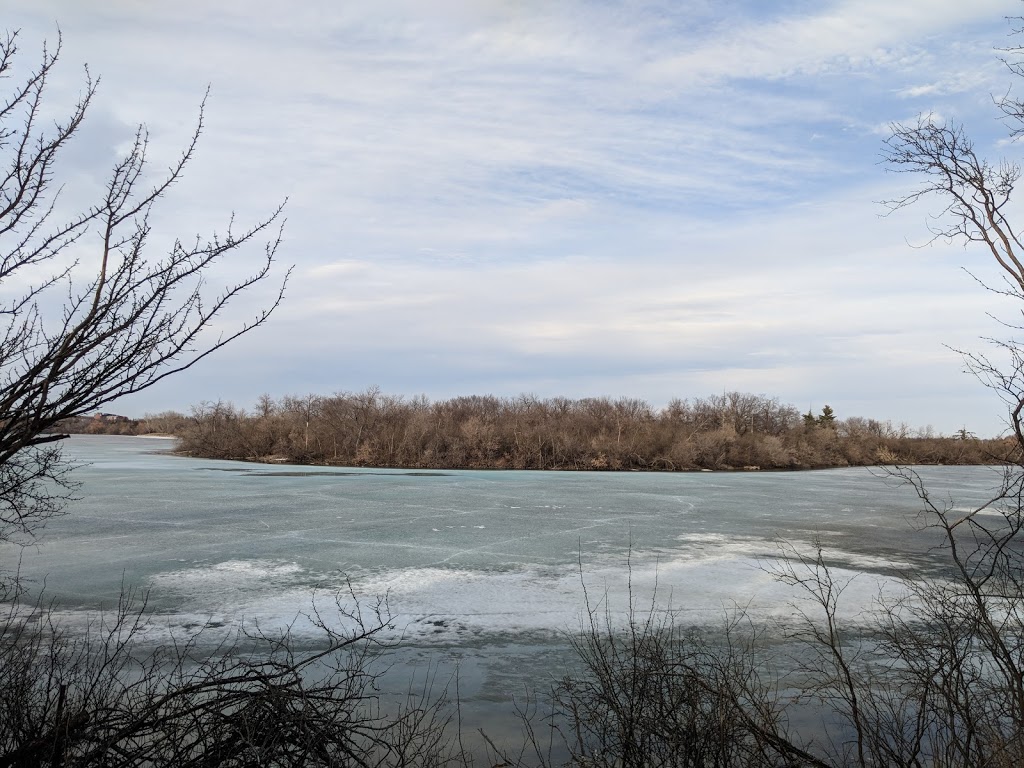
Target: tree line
{"points": [[733, 430]]}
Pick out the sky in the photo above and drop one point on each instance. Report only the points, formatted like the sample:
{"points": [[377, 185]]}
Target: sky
{"points": [[633, 198]]}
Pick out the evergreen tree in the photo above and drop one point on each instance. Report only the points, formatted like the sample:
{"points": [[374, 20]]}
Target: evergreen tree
{"points": [[827, 418]]}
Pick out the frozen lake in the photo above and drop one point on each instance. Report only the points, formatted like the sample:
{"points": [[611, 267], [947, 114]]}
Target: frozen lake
{"points": [[483, 568], [485, 551]]}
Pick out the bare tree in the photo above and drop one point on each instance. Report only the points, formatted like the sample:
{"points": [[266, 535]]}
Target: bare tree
{"points": [[80, 328], [935, 676], [82, 324], [976, 195], [75, 699]]}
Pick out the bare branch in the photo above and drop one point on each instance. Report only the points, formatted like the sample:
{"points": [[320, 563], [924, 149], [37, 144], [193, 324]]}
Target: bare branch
{"points": [[137, 318]]}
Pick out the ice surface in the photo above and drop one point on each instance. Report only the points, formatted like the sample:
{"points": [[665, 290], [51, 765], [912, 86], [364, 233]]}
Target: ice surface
{"points": [[466, 557], [483, 572]]}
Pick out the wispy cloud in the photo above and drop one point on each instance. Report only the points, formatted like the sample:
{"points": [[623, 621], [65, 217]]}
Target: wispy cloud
{"points": [[644, 198]]}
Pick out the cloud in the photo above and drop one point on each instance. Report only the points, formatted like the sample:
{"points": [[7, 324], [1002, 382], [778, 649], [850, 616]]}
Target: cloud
{"points": [[838, 37], [650, 199]]}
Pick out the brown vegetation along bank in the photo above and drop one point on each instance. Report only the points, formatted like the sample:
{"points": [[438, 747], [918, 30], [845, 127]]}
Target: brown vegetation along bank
{"points": [[728, 431], [101, 424]]}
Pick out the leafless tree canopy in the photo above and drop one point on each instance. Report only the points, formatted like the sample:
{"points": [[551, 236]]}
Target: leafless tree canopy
{"points": [[733, 430], [102, 699], [87, 316], [933, 677], [977, 197], [975, 191], [87, 312]]}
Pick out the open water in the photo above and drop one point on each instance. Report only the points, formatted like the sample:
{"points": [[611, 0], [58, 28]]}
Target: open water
{"points": [[484, 570]]}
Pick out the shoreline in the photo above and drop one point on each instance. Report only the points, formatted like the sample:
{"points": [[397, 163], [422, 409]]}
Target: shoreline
{"points": [[285, 462]]}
